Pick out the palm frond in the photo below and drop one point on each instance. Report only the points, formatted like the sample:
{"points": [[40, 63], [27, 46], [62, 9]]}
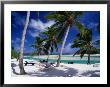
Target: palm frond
{"points": [[79, 25], [81, 52], [94, 50], [78, 51], [77, 14], [85, 34], [62, 32], [78, 43], [55, 16], [97, 42], [55, 45]]}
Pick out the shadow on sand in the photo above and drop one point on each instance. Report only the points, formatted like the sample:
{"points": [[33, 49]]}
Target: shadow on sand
{"points": [[69, 72], [58, 72], [12, 66], [92, 73]]}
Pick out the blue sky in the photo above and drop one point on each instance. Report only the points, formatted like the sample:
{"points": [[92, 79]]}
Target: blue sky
{"points": [[39, 24]]}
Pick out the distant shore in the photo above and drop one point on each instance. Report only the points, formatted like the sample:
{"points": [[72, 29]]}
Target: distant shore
{"points": [[67, 57]]}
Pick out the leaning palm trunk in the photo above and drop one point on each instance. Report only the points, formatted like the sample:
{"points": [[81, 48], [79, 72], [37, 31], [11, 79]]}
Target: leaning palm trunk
{"points": [[38, 56], [62, 47], [22, 71], [88, 59], [49, 52]]}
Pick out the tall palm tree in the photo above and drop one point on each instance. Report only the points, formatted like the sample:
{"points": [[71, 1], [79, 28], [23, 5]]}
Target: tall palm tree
{"points": [[64, 21], [51, 40], [85, 44], [39, 45], [22, 71], [14, 53]]}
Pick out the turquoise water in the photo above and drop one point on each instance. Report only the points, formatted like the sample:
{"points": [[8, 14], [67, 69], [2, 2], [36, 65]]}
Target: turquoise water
{"points": [[94, 59]]}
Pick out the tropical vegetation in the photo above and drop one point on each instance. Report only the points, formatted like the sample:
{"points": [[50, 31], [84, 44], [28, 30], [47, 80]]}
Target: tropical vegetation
{"points": [[64, 21], [39, 46], [86, 45], [14, 53], [50, 40]]}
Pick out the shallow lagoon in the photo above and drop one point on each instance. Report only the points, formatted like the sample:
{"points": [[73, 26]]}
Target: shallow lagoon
{"points": [[66, 58]]}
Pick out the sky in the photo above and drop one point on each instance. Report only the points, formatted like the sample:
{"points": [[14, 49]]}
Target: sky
{"points": [[38, 24]]}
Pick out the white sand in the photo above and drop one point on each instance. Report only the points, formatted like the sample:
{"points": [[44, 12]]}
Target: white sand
{"points": [[65, 70]]}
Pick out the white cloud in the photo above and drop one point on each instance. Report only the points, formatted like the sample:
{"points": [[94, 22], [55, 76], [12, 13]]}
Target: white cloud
{"points": [[17, 47], [34, 34], [68, 48], [92, 25], [39, 25], [17, 40]]}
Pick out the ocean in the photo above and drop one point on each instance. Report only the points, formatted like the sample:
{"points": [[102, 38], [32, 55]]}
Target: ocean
{"points": [[67, 58]]}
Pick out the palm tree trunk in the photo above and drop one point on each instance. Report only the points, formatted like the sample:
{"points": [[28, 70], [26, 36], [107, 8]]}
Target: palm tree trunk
{"points": [[22, 71], [62, 47], [49, 52], [88, 59], [38, 56]]}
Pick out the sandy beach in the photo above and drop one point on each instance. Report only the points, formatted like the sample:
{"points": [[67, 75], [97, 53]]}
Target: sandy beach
{"points": [[65, 70]]}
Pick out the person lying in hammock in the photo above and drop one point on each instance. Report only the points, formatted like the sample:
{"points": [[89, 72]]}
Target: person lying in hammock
{"points": [[46, 64]]}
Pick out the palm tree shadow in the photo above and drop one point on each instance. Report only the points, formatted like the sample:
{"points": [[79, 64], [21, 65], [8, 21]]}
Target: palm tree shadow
{"points": [[12, 66], [53, 72], [95, 73]]}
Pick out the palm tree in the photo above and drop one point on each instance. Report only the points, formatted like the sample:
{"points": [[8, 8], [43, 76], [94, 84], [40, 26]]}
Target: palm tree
{"points": [[85, 44], [51, 40], [14, 53], [22, 71], [39, 46], [64, 21]]}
